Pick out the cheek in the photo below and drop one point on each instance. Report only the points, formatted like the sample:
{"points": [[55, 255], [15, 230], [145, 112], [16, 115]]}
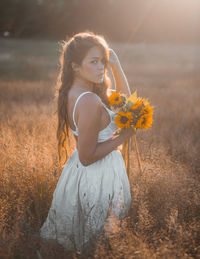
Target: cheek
{"points": [[90, 69]]}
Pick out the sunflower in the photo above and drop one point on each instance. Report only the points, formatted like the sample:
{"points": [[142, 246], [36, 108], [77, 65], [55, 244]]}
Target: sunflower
{"points": [[115, 99], [123, 119], [145, 120]]}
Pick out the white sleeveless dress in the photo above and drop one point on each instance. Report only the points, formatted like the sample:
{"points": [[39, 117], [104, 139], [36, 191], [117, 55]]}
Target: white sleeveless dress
{"points": [[85, 196]]}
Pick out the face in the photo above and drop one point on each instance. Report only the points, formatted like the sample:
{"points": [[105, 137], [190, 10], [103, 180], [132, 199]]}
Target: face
{"points": [[93, 66]]}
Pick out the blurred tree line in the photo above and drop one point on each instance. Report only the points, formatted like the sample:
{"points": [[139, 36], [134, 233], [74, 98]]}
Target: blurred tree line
{"points": [[120, 20]]}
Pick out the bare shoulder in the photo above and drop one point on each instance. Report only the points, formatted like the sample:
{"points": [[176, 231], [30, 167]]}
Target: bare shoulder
{"points": [[89, 102], [89, 112]]}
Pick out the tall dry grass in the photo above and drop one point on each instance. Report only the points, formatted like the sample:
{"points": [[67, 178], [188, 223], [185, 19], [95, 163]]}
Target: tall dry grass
{"points": [[164, 220]]}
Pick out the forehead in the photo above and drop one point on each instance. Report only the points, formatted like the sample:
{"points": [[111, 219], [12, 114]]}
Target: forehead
{"points": [[94, 52]]}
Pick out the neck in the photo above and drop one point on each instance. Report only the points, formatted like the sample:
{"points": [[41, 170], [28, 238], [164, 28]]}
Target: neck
{"points": [[83, 84]]}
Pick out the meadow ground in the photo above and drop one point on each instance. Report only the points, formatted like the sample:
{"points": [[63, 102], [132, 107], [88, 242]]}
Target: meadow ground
{"points": [[164, 220]]}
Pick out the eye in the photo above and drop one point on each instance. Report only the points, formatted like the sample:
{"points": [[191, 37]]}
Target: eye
{"points": [[94, 62]]}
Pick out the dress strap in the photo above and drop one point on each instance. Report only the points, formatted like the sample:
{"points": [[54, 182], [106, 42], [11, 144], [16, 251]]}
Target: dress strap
{"points": [[76, 104]]}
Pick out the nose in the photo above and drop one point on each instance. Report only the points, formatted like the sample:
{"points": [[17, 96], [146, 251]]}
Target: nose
{"points": [[101, 66]]}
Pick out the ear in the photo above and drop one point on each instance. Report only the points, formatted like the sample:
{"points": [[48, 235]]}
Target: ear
{"points": [[75, 67]]}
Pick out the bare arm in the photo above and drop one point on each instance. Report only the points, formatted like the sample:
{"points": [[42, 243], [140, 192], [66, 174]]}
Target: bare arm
{"points": [[121, 82], [88, 127], [108, 146], [119, 76]]}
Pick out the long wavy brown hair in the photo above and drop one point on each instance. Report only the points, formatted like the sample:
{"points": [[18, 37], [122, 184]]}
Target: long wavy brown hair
{"points": [[74, 50]]}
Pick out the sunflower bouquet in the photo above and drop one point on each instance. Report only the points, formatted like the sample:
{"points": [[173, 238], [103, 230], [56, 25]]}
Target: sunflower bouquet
{"points": [[134, 112]]}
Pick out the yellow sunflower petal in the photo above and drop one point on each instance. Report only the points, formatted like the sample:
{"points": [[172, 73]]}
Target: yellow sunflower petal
{"points": [[136, 105], [145, 102], [147, 110]]}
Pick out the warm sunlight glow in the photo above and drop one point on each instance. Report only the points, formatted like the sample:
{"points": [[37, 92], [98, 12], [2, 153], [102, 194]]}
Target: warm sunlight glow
{"points": [[188, 8], [163, 20], [110, 91]]}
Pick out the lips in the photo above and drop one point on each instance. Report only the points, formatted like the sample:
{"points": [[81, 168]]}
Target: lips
{"points": [[101, 74]]}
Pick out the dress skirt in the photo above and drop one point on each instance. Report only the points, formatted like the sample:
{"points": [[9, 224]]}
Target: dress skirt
{"points": [[85, 196]]}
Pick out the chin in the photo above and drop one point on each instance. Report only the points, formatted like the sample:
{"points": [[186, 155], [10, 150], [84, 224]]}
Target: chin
{"points": [[100, 81], [97, 81]]}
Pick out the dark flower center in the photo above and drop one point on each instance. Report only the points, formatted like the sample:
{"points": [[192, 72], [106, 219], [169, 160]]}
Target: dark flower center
{"points": [[123, 119], [145, 111], [117, 99]]}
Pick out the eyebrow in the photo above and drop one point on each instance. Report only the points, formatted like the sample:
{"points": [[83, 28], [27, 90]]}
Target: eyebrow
{"points": [[95, 57]]}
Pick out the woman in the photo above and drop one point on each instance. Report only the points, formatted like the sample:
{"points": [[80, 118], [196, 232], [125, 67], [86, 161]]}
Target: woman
{"points": [[93, 184]]}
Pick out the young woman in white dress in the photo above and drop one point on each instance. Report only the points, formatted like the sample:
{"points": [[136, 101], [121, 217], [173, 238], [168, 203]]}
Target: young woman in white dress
{"points": [[93, 183]]}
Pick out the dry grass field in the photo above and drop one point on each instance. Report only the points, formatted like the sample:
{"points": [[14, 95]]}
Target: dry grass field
{"points": [[164, 221]]}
